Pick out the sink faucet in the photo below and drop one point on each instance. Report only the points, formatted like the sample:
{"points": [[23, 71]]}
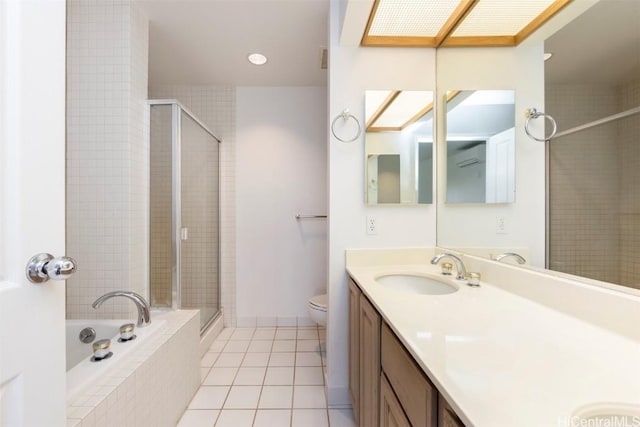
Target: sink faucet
{"points": [[462, 272], [510, 254], [144, 316]]}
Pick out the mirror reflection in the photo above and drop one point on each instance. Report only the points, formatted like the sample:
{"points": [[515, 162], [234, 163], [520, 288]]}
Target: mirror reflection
{"points": [[480, 146], [399, 147]]}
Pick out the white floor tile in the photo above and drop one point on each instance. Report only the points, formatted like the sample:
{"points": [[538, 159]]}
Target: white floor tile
{"points": [[341, 418], [198, 418], [272, 418], [279, 376], [277, 396], [260, 346], [242, 334], [217, 346], [238, 346], [284, 345], [203, 373], [264, 334], [308, 359], [220, 376], [286, 334], [229, 360], [282, 359], [308, 345], [256, 359], [308, 334], [208, 359], [309, 418], [243, 397], [209, 398], [309, 397], [309, 375], [236, 418], [250, 376], [225, 334], [255, 369]]}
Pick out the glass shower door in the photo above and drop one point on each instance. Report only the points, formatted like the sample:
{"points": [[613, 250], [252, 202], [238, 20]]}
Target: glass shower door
{"points": [[199, 203]]}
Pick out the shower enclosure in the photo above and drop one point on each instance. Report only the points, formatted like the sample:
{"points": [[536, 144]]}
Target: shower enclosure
{"points": [[184, 225]]}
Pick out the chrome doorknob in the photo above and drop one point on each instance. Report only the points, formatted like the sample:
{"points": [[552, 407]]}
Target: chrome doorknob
{"points": [[43, 267]]}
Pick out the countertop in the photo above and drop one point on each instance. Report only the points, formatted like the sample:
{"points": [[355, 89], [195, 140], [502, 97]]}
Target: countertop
{"points": [[504, 360]]}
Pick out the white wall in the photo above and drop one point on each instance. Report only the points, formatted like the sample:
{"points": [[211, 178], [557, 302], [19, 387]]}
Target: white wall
{"points": [[352, 71], [474, 225], [281, 170]]}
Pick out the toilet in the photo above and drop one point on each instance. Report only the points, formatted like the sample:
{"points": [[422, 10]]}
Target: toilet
{"points": [[317, 308]]}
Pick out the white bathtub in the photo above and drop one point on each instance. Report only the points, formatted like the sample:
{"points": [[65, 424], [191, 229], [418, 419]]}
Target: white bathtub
{"points": [[81, 371]]}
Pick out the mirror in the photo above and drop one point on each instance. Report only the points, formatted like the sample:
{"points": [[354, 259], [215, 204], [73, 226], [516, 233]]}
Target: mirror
{"points": [[480, 146], [593, 204], [398, 147]]}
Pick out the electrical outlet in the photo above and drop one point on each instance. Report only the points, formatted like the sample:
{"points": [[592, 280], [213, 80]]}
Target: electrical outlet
{"points": [[372, 225], [502, 225]]}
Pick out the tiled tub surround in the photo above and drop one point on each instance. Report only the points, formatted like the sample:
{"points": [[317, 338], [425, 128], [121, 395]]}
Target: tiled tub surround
{"points": [[152, 385], [525, 348]]}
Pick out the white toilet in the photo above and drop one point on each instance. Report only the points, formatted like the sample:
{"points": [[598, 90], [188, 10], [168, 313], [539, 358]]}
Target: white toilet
{"points": [[317, 307]]}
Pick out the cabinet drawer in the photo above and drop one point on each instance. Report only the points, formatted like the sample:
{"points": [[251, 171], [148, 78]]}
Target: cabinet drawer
{"points": [[417, 396]]}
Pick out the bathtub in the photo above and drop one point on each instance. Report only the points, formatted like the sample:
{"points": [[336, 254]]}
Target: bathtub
{"points": [[147, 382], [81, 371]]}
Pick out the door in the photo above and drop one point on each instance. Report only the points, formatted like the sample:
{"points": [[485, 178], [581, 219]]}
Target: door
{"points": [[501, 167], [32, 190]]}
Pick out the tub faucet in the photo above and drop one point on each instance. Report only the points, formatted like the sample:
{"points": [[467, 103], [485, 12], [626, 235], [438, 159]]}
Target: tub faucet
{"points": [[510, 254], [461, 271], [144, 316]]}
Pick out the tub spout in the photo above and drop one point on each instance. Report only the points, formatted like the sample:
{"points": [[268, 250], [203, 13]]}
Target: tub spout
{"points": [[144, 310]]}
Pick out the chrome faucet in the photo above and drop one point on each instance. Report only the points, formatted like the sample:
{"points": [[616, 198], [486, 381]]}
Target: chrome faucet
{"points": [[461, 271], [510, 254], [144, 315]]}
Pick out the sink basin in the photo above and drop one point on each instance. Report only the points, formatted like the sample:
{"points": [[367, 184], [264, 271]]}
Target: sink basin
{"points": [[609, 414], [415, 284]]}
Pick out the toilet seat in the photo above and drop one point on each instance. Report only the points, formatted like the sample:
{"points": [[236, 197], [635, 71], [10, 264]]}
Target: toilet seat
{"points": [[318, 302]]}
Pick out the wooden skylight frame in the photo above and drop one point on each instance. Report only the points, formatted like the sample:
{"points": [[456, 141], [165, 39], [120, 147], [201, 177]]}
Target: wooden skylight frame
{"points": [[446, 35]]}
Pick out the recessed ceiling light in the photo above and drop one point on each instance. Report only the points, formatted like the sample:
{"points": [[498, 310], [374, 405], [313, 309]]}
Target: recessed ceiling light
{"points": [[257, 59], [547, 55]]}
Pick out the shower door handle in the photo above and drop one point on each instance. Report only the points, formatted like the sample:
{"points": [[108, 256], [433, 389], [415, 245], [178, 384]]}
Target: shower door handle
{"points": [[44, 266], [184, 233]]}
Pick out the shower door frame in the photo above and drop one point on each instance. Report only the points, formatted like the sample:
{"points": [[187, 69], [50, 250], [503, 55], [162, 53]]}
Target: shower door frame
{"points": [[176, 200]]}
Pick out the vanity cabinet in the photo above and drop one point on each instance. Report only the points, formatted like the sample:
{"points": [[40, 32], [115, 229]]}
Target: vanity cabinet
{"points": [[417, 395], [364, 357], [391, 413], [387, 386], [446, 416], [354, 348]]}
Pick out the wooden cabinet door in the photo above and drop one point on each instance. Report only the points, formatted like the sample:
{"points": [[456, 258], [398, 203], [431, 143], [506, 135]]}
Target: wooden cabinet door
{"points": [[354, 347], [391, 413], [418, 397], [369, 364], [446, 416]]}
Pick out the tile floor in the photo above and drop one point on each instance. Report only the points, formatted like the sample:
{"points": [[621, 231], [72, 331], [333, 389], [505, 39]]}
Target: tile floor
{"points": [[259, 377]]}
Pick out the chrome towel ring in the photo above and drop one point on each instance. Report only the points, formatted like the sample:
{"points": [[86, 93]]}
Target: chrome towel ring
{"points": [[532, 113], [345, 115]]}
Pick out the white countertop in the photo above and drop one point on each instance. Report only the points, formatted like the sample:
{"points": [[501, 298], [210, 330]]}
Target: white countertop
{"points": [[503, 360]]}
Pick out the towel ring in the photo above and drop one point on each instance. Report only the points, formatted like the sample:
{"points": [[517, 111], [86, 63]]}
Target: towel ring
{"points": [[532, 113], [345, 115]]}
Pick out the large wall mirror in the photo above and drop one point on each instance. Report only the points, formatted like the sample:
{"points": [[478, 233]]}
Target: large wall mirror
{"points": [[592, 166], [399, 147], [480, 146]]}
